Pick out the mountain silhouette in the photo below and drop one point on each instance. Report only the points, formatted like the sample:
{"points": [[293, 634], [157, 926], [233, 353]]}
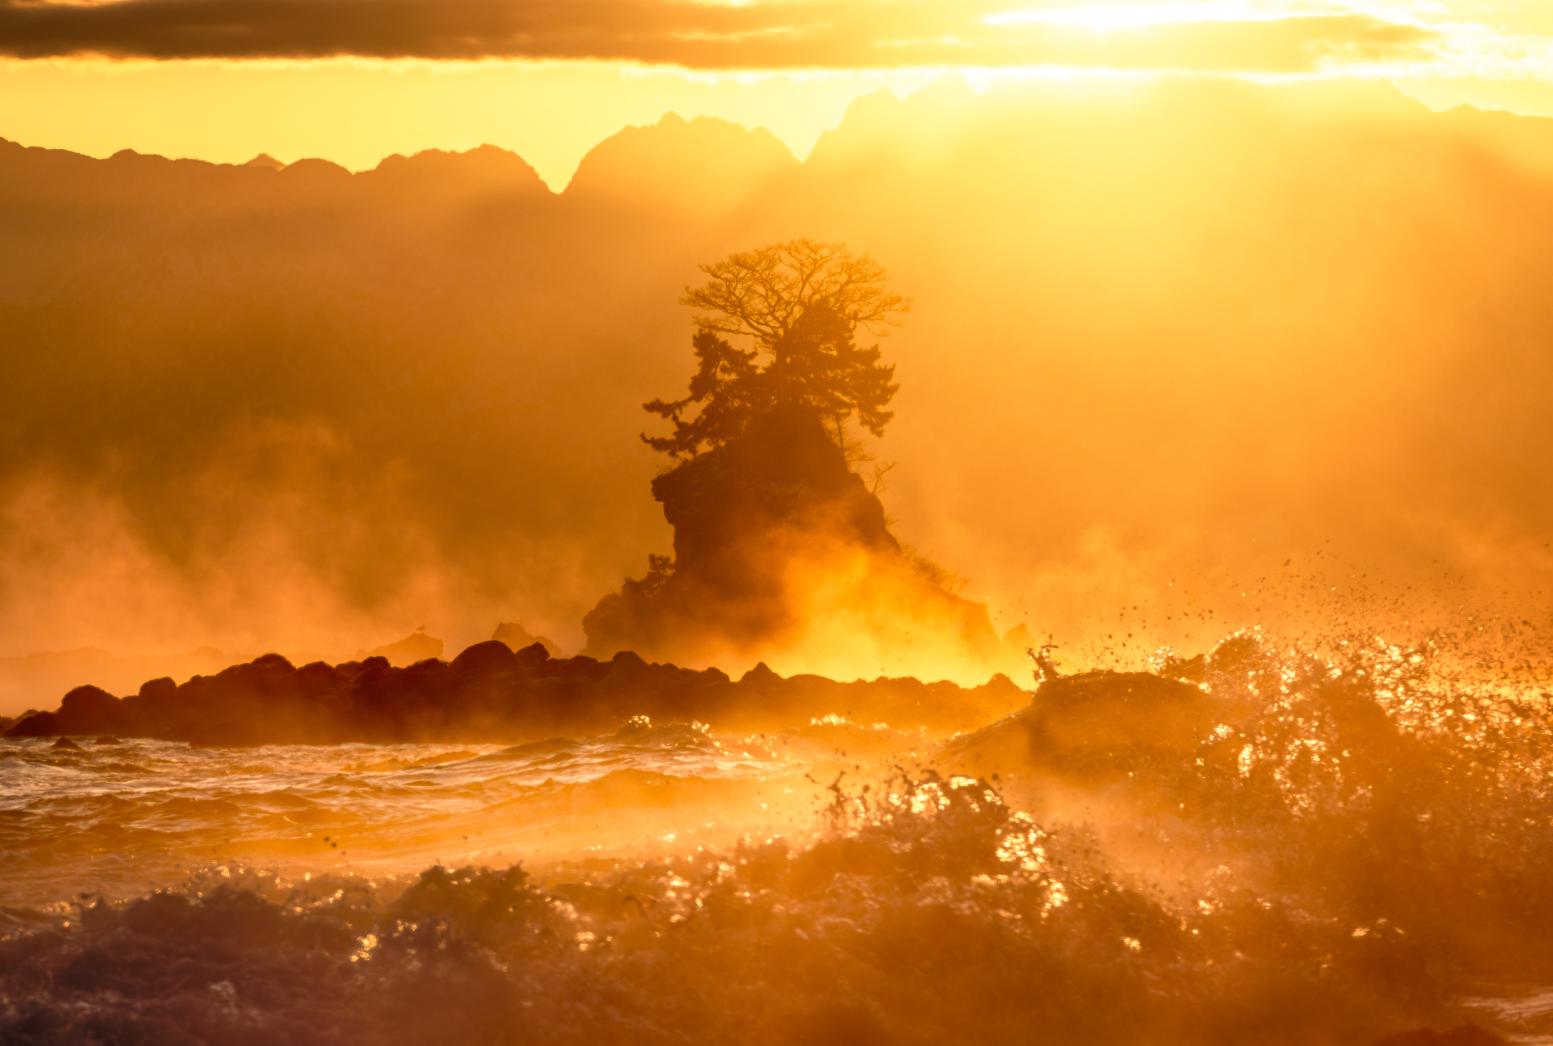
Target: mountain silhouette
{"points": [[485, 171], [703, 164]]}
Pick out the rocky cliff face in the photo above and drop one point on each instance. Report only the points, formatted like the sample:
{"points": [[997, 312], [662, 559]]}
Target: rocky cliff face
{"points": [[783, 554], [783, 476]]}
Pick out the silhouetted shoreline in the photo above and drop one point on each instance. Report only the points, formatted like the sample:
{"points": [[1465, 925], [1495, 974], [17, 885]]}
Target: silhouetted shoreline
{"points": [[489, 692]]}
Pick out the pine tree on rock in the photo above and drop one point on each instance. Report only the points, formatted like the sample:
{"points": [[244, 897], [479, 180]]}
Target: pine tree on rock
{"points": [[798, 307]]}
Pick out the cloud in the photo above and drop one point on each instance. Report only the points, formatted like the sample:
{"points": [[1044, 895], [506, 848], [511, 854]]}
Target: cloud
{"points": [[768, 35]]}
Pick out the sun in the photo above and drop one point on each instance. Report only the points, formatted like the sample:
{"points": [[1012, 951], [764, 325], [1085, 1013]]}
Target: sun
{"points": [[1107, 18]]}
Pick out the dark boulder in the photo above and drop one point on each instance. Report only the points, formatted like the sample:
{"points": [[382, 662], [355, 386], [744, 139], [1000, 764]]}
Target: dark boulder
{"points": [[1096, 726], [36, 724], [628, 662], [90, 710], [317, 678], [1119, 711], [158, 689], [483, 659], [533, 656]]}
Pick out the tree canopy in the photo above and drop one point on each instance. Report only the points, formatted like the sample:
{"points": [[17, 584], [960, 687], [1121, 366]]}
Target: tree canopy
{"points": [[795, 310]]}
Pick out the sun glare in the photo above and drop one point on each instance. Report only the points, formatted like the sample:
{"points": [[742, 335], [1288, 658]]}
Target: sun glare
{"points": [[1105, 18]]}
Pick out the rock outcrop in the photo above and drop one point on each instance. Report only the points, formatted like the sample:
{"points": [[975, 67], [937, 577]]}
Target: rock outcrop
{"points": [[1093, 727], [783, 554]]}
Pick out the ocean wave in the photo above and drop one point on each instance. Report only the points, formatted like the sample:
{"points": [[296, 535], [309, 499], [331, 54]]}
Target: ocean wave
{"points": [[384, 806], [926, 913]]}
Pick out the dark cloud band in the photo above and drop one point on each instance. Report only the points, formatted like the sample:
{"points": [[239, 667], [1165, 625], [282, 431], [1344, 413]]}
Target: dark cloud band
{"points": [[779, 34]]}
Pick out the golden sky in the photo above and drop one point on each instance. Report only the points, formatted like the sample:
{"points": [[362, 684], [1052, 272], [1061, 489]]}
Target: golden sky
{"points": [[354, 80]]}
